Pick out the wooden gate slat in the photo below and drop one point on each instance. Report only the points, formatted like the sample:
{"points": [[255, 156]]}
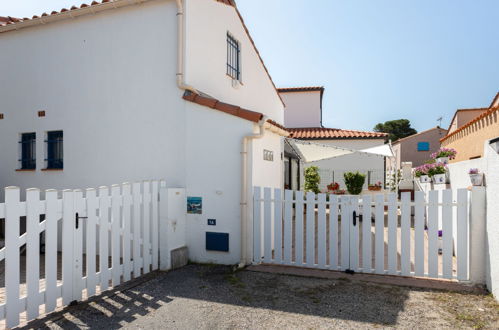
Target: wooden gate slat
{"points": [[91, 240], [104, 237], [321, 231], [392, 234], [51, 238], [354, 234], [115, 234], [267, 225], [447, 234], [32, 252], [278, 226], [333, 232], [366, 234], [345, 233], [288, 226], [299, 228], [310, 230], [379, 250], [68, 223], [432, 234], [12, 262], [127, 204], [405, 234]]}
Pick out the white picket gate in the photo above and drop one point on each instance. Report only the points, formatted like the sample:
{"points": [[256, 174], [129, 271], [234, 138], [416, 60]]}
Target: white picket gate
{"points": [[108, 237], [368, 233]]}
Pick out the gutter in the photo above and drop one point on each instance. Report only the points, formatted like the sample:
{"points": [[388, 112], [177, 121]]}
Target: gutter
{"points": [[180, 50], [244, 188]]}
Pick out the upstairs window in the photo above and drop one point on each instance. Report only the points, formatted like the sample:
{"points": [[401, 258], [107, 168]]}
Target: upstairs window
{"points": [[54, 150], [28, 151], [233, 58], [423, 146]]}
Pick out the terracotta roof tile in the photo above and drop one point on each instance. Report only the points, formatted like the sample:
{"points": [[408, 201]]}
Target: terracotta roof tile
{"points": [[301, 89], [332, 133], [234, 110]]}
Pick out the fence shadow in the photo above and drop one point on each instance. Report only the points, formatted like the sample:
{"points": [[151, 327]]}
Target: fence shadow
{"points": [[332, 299]]}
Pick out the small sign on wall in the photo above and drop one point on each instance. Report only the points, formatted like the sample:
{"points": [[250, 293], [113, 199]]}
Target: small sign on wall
{"points": [[194, 205]]}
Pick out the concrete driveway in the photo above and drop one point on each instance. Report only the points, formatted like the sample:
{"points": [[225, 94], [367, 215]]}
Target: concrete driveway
{"points": [[213, 297]]}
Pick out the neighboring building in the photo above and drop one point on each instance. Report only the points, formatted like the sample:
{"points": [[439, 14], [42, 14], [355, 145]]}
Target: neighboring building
{"points": [[467, 135], [416, 148], [303, 119], [90, 97]]}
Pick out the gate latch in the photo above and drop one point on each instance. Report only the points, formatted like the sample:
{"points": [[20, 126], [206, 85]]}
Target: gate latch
{"points": [[355, 216], [77, 220]]}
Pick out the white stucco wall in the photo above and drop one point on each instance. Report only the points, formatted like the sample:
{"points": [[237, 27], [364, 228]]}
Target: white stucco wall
{"points": [[350, 163], [303, 109], [207, 24], [492, 235], [458, 172], [109, 84]]}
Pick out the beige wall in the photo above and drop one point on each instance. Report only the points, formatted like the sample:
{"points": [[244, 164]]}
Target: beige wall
{"points": [[463, 117], [469, 141], [406, 150]]}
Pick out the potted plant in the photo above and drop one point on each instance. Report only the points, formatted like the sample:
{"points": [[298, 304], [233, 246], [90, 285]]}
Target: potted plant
{"points": [[375, 187], [339, 192], [437, 172], [332, 187], [354, 182], [443, 155], [421, 172], [475, 176]]}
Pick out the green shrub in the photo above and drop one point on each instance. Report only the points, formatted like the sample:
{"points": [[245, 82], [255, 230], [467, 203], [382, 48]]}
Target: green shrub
{"points": [[354, 182], [312, 179]]}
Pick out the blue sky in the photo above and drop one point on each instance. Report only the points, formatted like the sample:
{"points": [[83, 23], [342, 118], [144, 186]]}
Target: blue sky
{"points": [[378, 60]]}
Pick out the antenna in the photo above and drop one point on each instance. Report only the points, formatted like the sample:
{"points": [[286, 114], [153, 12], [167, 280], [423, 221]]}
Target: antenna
{"points": [[439, 119]]}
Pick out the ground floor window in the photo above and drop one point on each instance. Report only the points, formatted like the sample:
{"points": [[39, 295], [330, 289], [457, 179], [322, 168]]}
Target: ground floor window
{"points": [[55, 153], [28, 151]]}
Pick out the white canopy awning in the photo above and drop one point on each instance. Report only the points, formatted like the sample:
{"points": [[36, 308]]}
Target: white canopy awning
{"points": [[313, 152]]}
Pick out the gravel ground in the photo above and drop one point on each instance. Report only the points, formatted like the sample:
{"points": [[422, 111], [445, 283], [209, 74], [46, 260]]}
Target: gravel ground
{"points": [[214, 297]]}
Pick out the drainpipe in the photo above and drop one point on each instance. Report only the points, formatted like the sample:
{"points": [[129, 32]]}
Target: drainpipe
{"points": [[244, 188], [180, 49]]}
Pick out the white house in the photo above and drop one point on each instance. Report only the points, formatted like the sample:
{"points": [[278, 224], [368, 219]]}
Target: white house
{"points": [[125, 90], [303, 119]]}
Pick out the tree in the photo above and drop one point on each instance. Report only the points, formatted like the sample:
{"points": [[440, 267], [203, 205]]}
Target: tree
{"points": [[396, 129]]}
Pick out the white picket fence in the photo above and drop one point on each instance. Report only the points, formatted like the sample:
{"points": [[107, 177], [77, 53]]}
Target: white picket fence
{"points": [[311, 231], [108, 237]]}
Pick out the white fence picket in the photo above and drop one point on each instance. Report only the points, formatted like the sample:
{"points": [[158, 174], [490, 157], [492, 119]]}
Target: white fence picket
{"points": [[366, 234], [51, 250], [321, 231], [345, 232], [267, 225], [33, 252], [12, 262], [447, 233], [392, 234], [90, 243], [379, 238], [432, 223], [146, 227], [137, 202], [299, 228], [127, 251], [354, 234], [78, 209], [104, 203], [288, 226], [333, 232], [278, 226], [462, 234], [257, 225], [310, 230], [419, 233], [405, 234], [115, 233], [68, 224], [155, 225]]}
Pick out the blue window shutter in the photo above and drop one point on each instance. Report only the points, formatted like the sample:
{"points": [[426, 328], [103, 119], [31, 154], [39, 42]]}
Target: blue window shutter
{"points": [[423, 146]]}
